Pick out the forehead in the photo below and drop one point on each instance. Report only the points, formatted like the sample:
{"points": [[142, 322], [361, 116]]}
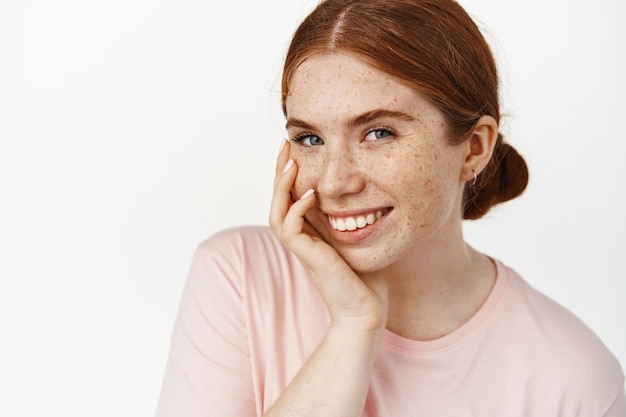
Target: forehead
{"points": [[342, 85]]}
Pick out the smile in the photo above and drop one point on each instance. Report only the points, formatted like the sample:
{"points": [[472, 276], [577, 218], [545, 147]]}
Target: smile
{"points": [[350, 223]]}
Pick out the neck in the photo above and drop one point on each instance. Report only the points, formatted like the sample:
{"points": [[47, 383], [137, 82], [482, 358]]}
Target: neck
{"points": [[437, 288]]}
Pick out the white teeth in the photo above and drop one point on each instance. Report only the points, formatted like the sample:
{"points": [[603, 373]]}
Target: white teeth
{"points": [[352, 223], [361, 222]]}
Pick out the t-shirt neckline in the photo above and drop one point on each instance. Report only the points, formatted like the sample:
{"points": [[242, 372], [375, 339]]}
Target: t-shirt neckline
{"points": [[396, 342]]}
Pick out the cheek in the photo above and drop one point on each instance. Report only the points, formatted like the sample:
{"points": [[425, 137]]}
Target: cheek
{"points": [[424, 176], [308, 172]]}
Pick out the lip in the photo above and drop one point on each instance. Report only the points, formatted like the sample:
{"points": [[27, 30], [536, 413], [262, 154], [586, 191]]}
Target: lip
{"points": [[353, 212], [359, 235]]}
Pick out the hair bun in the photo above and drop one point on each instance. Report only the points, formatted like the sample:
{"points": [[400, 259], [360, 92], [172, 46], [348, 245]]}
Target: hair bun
{"points": [[504, 178]]}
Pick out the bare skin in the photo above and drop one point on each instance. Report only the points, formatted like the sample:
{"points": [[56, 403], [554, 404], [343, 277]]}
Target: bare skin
{"points": [[375, 155]]}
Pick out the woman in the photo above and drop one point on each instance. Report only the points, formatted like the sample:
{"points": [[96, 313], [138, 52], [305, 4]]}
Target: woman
{"points": [[366, 300]]}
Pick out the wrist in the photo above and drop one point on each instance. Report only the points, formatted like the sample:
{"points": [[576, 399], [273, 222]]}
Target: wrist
{"points": [[361, 334]]}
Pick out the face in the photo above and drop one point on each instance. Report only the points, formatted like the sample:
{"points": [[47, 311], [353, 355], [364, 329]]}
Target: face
{"points": [[388, 184]]}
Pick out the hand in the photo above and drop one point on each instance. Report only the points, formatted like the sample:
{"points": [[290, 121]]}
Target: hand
{"points": [[357, 302]]}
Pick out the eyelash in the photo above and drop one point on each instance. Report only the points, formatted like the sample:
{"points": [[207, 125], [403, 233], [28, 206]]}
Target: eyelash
{"points": [[303, 136], [391, 133]]}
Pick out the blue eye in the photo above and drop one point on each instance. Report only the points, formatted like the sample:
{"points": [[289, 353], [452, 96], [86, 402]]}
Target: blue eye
{"points": [[377, 134], [308, 140]]}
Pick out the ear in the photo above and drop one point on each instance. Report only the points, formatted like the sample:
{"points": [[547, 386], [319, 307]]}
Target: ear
{"points": [[481, 143]]}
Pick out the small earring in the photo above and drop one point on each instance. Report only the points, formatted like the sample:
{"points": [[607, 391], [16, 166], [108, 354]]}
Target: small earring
{"points": [[475, 177]]}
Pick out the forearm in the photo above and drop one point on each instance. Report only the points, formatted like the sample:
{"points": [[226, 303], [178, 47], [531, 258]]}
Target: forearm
{"points": [[335, 379]]}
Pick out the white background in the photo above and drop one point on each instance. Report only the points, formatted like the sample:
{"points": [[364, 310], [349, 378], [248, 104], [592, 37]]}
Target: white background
{"points": [[130, 130]]}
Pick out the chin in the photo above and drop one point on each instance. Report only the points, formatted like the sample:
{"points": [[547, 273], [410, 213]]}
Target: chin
{"points": [[362, 261]]}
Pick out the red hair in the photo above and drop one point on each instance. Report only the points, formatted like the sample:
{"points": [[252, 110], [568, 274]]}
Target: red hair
{"points": [[434, 47]]}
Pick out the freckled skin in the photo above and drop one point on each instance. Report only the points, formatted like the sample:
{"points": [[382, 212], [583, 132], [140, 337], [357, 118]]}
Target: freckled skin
{"points": [[417, 172]]}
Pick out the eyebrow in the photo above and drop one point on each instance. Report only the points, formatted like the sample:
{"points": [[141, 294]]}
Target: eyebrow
{"points": [[361, 119]]}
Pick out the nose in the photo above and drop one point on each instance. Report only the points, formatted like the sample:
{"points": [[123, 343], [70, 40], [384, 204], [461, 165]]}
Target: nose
{"points": [[341, 175]]}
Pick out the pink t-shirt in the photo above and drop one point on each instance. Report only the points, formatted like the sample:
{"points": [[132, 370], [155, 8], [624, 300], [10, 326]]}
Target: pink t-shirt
{"points": [[250, 317]]}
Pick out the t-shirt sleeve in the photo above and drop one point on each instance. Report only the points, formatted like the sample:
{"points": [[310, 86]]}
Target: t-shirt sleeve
{"points": [[618, 408], [208, 371]]}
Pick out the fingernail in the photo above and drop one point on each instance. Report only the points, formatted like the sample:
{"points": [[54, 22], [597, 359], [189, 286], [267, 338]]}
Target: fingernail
{"points": [[308, 193], [288, 165]]}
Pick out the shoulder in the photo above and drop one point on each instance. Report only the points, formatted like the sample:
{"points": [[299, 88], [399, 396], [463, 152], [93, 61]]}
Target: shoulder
{"points": [[243, 246], [249, 256], [241, 240], [549, 321], [562, 350]]}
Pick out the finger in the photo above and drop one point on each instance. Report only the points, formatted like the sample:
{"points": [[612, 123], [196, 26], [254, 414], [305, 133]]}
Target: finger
{"points": [[302, 238], [283, 158], [309, 229], [293, 224], [281, 200]]}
